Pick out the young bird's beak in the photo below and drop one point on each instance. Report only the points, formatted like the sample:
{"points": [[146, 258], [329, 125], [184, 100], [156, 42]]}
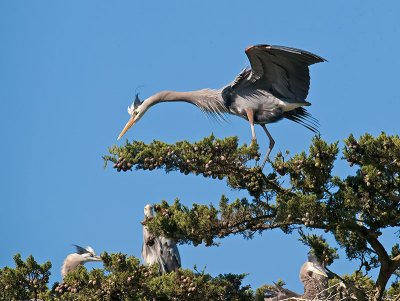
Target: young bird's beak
{"points": [[97, 258], [128, 125], [319, 271]]}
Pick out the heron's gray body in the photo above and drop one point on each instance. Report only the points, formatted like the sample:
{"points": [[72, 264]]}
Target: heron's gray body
{"points": [[266, 107], [159, 249], [151, 249], [275, 87], [170, 254]]}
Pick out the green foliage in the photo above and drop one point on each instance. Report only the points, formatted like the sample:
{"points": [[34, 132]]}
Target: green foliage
{"points": [[210, 157], [260, 292], [394, 291], [28, 280], [203, 223], [300, 192], [122, 278], [319, 248], [374, 190], [360, 280], [186, 285]]}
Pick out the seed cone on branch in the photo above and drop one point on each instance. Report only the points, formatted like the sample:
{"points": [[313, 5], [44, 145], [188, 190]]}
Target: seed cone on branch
{"points": [[299, 192], [210, 157]]}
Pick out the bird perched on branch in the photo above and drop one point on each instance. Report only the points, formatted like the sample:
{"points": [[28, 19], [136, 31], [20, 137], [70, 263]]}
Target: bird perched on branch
{"points": [[275, 87], [81, 256], [159, 249], [314, 278]]}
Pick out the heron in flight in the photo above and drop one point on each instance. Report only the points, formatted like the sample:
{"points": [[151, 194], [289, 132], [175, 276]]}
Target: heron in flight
{"points": [[80, 257], [159, 250], [314, 278], [275, 87]]}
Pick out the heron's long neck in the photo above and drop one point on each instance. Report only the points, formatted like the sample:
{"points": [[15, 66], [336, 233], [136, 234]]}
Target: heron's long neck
{"points": [[206, 99]]}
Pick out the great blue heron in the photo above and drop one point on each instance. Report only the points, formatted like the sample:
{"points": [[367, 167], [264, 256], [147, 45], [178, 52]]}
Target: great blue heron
{"points": [[158, 249], [275, 87], [170, 254], [314, 278], [81, 256]]}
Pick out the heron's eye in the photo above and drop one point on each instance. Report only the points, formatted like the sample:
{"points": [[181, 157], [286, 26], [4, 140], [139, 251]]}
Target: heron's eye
{"points": [[131, 110]]}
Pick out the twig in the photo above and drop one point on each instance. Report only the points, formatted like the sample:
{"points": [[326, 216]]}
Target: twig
{"points": [[397, 298]]}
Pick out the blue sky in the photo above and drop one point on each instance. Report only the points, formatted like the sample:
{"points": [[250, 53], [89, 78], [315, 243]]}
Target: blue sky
{"points": [[68, 71]]}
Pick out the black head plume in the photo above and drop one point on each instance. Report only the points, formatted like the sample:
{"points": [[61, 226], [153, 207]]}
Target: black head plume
{"points": [[137, 101]]}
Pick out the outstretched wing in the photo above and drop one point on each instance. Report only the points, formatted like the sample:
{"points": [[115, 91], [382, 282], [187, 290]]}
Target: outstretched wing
{"points": [[280, 70]]}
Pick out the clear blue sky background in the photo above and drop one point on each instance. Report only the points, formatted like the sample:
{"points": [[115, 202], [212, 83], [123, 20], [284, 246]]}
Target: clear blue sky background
{"points": [[68, 71]]}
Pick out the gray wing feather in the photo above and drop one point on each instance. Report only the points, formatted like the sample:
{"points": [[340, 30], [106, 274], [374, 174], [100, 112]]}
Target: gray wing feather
{"points": [[160, 260], [170, 254], [282, 71]]}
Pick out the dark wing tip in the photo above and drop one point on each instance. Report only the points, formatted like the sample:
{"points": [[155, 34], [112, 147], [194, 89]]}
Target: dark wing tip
{"points": [[248, 48], [258, 46], [302, 116], [311, 56]]}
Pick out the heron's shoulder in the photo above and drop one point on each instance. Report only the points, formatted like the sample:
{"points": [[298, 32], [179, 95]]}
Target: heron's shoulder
{"points": [[227, 95]]}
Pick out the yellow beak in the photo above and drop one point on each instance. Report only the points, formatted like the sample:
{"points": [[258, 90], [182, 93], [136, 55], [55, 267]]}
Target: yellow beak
{"points": [[128, 125]]}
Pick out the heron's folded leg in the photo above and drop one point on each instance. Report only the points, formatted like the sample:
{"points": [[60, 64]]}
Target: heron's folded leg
{"points": [[271, 145], [250, 117]]}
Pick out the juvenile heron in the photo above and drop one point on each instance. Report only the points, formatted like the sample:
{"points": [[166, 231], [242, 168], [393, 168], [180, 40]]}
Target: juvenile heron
{"points": [[275, 87], [314, 279], [170, 254], [81, 256], [159, 250]]}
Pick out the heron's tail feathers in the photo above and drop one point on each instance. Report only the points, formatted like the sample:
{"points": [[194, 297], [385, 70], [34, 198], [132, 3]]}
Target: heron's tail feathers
{"points": [[301, 116]]}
